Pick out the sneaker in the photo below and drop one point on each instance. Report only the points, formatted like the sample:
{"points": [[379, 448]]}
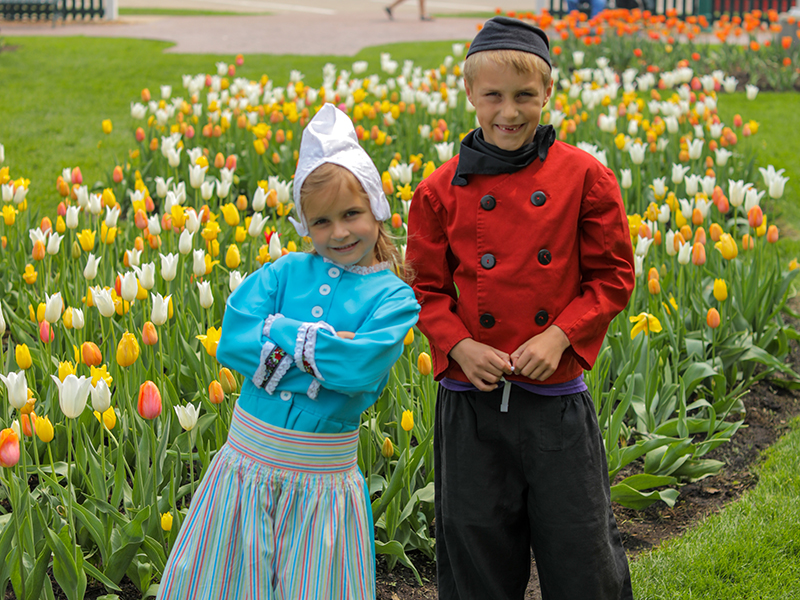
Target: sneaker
{"points": [[425, 18], [389, 13]]}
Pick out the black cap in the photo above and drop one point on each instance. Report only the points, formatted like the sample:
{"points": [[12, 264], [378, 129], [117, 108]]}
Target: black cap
{"points": [[505, 33]]}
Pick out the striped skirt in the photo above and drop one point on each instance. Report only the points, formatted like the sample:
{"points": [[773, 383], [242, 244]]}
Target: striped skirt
{"points": [[280, 515]]}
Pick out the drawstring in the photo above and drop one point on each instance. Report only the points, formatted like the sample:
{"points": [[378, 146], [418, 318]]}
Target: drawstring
{"points": [[506, 394]]}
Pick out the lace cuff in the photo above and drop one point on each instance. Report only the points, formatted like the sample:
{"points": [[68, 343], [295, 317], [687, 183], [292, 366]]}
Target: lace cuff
{"points": [[275, 362], [269, 321], [261, 373], [310, 346]]}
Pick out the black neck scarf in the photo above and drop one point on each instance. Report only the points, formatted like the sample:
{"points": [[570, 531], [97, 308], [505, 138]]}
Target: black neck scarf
{"points": [[479, 157]]}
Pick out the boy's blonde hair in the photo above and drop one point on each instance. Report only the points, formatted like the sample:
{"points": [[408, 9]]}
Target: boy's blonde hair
{"points": [[321, 179], [523, 63]]}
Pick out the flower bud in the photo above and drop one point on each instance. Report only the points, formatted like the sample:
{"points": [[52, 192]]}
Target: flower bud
{"points": [[424, 363], [388, 448], [166, 521], [215, 392], [127, 350], [23, 357], [720, 290], [407, 422], [227, 380], [712, 319], [44, 429], [90, 354], [76, 250], [409, 339], [149, 405], [9, 448], [149, 334]]}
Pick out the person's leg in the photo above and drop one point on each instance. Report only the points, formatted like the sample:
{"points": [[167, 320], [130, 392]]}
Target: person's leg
{"points": [[572, 5], [422, 14], [391, 7], [598, 6], [482, 539], [575, 540]]}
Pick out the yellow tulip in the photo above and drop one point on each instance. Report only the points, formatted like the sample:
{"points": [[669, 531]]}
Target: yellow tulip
{"points": [[178, 214], [127, 350], [407, 422], [23, 357], [101, 372], [210, 340], [227, 380], [429, 169], [109, 199], [86, 239], [30, 274], [230, 214], [644, 322], [727, 246], [44, 429], [166, 521], [64, 369], [107, 126], [107, 234], [232, 257], [409, 339], [424, 363], [9, 215], [109, 418], [720, 290], [388, 448]]}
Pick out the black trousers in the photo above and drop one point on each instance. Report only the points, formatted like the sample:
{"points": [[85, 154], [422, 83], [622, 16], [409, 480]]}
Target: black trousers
{"points": [[534, 477]]}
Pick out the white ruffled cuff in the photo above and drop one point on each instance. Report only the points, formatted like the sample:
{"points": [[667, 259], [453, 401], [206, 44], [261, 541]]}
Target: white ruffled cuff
{"points": [[261, 372], [269, 321]]}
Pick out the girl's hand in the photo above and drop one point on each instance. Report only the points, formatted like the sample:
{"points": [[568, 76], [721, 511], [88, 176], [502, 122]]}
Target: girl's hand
{"points": [[538, 358], [347, 335], [482, 364]]}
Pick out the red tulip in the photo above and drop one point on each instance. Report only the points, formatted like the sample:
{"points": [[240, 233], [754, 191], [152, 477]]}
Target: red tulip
{"points": [[149, 400]]}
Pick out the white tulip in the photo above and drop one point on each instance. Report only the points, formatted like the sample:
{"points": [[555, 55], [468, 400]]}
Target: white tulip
{"points": [[160, 310], [736, 190], [179, 190], [257, 223], [226, 175], [72, 394], [134, 256], [19, 194], [197, 175], [53, 307], [577, 58], [73, 212], [112, 216], [154, 225], [401, 173], [103, 302], [129, 286], [147, 275], [90, 271], [234, 280], [275, 247], [776, 186], [77, 318], [169, 266], [207, 189], [66, 175], [166, 91], [199, 263], [729, 83], [752, 197], [2, 322], [187, 416], [638, 265], [643, 245], [672, 123], [752, 91], [692, 181], [101, 396], [17, 387], [162, 186], [686, 208], [8, 192], [206, 296], [664, 214], [185, 242], [627, 179], [723, 154], [660, 187], [708, 184], [259, 200], [95, 204], [192, 224], [2, 154], [82, 194], [695, 149], [54, 243], [174, 157], [444, 151], [637, 153], [678, 172], [669, 243], [685, 253], [223, 189], [138, 110]]}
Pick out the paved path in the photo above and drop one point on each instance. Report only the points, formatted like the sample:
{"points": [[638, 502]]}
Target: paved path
{"points": [[310, 27]]}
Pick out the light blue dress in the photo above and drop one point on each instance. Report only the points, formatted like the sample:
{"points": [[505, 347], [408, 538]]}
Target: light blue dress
{"points": [[282, 512]]}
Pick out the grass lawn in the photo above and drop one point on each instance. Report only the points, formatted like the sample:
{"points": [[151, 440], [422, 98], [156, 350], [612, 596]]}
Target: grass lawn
{"points": [[749, 550], [57, 91]]}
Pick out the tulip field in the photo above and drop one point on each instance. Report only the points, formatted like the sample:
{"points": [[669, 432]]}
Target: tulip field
{"points": [[111, 305]]}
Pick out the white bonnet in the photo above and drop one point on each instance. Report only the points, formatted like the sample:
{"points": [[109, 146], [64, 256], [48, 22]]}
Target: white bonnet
{"points": [[331, 138]]}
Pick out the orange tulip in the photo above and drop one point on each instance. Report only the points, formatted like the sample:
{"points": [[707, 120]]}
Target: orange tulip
{"points": [[38, 250], [90, 354], [9, 448], [755, 216], [748, 243], [652, 274], [149, 334], [772, 234], [700, 236], [653, 286], [215, 392], [227, 380], [712, 319], [698, 254], [26, 421], [715, 231], [149, 400]]}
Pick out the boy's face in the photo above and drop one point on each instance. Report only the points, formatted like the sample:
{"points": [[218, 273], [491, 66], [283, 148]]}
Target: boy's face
{"points": [[508, 104]]}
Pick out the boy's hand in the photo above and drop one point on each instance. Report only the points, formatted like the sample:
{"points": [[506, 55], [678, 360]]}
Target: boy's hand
{"points": [[482, 364], [347, 335], [538, 358]]}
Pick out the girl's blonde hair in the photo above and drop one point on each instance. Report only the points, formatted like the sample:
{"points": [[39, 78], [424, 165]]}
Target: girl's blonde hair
{"points": [[523, 63], [327, 175]]}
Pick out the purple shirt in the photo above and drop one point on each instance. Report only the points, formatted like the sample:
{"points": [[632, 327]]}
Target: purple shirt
{"points": [[557, 389]]}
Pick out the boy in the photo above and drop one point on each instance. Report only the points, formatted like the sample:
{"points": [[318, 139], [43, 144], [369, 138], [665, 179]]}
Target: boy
{"points": [[523, 258]]}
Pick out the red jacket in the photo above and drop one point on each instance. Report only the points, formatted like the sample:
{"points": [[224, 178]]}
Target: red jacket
{"points": [[507, 256]]}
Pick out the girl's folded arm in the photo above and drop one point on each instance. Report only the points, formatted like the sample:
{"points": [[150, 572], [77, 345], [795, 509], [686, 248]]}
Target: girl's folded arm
{"points": [[358, 365], [242, 340]]}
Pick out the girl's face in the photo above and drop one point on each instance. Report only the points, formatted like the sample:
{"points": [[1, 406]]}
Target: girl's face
{"points": [[341, 225]]}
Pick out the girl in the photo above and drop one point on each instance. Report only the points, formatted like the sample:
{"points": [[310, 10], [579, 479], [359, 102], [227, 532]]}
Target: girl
{"points": [[283, 511]]}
